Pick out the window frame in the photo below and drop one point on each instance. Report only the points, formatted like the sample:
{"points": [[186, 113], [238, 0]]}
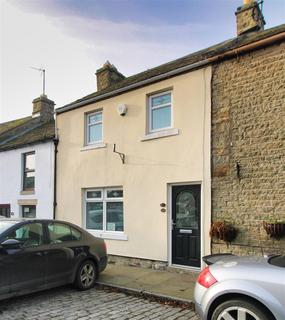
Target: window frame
{"points": [[28, 205], [87, 125], [104, 199], [25, 171], [150, 108]]}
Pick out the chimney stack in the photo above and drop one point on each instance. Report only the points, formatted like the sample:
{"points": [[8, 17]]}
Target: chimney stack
{"points": [[249, 17], [43, 108], [107, 75]]}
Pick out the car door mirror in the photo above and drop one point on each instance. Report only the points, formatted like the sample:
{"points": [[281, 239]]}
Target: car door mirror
{"points": [[11, 244]]}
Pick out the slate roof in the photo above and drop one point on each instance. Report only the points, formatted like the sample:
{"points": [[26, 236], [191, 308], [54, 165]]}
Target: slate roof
{"points": [[195, 57], [25, 131]]}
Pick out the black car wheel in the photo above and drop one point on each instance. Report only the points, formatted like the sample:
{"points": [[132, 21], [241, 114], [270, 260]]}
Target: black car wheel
{"points": [[238, 309], [86, 275]]}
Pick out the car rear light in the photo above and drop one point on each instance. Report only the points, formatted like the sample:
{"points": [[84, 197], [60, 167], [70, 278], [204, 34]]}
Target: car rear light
{"points": [[206, 279], [105, 246]]}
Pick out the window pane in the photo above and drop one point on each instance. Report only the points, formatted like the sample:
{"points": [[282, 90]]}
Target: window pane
{"points": [[94, 215], [59, 232], [95, 133], [4, 225], [30, 161], [163, 99], [97, 117], [115, 216], [29, 180], [28, 211], [76, 235], [161, 118], [114, 193], [94, 194], [29, 235]]}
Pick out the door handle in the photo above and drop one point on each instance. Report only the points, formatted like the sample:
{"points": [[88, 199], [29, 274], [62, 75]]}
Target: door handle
{"points": [[40, 254]]}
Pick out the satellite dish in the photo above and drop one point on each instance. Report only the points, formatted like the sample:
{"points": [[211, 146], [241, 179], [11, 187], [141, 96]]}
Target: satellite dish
{"points": [[122, 109]]}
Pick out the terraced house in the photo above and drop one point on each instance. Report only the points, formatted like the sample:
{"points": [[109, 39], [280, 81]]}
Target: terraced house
{"points": [[27, 163], [137, 157]]}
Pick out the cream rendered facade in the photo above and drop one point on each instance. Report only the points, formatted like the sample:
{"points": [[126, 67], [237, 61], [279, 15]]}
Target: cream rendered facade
{"points": [[152, 166]]}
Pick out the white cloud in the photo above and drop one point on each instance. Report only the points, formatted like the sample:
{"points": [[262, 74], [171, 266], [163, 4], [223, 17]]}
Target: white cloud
{"points": [[71, 48]]}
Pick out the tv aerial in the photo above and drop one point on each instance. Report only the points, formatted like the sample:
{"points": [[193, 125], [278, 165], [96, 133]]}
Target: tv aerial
{"points": [[43, 74]]}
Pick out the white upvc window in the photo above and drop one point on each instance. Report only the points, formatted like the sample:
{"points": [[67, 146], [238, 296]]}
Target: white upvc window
{"points": [[160, 113], [104, 210], [94, 127]]}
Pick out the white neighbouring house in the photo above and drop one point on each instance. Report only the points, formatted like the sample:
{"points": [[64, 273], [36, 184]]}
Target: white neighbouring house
{"points": [[27, 153]]}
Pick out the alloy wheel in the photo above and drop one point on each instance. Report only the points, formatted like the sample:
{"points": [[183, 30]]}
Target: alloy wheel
{"points": [[237, 313], [87, 275]]}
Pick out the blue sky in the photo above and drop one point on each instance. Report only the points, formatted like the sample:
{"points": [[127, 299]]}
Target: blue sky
{"points": [[71, 39]]}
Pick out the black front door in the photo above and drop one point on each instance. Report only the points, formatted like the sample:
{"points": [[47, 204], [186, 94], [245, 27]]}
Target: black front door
{"points": [[186, 225]]}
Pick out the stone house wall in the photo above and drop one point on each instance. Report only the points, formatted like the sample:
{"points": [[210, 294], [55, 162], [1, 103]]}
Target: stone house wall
{"points": [[248, 128]]}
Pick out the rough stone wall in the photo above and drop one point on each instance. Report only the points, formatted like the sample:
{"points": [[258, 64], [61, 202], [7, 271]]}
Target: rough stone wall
{"points": [[248, 121]]}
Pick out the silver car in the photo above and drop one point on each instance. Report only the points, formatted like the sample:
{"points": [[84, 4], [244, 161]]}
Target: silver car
{"points": [[241, 288]]}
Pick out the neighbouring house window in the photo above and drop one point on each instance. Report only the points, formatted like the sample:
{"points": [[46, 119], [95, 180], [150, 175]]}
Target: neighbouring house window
{"points": [[29, 171], [28, 211], [5, 210], [160, 111], [104, 209], [94, 127]]}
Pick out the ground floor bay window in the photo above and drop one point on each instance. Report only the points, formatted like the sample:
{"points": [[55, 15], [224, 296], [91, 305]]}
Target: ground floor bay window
{"points": [[104, 212]]}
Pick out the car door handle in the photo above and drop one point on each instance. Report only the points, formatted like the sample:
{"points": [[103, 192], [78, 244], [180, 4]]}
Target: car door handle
{"points": [[40, 254]]}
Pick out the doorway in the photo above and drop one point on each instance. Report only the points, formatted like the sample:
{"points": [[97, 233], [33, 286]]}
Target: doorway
{"points": [[186, 225]]}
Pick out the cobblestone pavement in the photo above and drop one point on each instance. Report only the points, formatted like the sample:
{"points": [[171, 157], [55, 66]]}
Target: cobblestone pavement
{"points": [[69, 304]]}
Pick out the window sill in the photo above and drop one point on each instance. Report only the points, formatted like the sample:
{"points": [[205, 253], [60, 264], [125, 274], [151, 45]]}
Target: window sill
{"points": [[94, 146], [160, 134], [109, 235], [27, 192]]}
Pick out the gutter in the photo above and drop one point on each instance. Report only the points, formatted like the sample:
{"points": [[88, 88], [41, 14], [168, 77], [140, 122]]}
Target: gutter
{"points": [[226, 55]]}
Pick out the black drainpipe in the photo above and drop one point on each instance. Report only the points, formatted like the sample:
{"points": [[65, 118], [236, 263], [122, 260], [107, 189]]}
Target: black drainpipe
{"points": [[55, 141]]}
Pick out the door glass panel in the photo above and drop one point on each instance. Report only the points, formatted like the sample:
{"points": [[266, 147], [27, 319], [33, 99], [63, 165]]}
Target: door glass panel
{"points": [[186, 211]]}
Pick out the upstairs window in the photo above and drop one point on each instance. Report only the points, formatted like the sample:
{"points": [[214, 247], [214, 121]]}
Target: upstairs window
{"points": [[29, 171], [160, 112], [94, 127]]}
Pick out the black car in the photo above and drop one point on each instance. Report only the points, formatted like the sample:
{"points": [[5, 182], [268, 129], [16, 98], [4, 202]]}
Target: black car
{"points": [[41, 254]]}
